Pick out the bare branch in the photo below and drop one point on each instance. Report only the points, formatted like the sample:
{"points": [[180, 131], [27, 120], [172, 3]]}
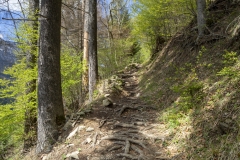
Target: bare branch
{"points": [[18, 19]]}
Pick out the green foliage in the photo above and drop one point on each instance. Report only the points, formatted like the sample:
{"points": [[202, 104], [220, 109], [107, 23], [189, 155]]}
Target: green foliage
{"points": [[191, 96], [12, 115], [231, 65], [152, 19], [230, 58], [116, 57], [181, 110], [71, 70]]}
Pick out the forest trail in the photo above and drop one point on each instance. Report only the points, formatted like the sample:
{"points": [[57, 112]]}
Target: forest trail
{"points": [[128, 129]]}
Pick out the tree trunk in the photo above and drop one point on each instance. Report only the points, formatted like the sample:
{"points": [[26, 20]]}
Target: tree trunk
{"points": [[30, 124], [85, 48], [201, 9], [82, 24], [92, 32], [50, 105]]}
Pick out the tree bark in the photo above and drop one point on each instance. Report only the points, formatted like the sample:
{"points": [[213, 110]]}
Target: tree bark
{"points": [[85, 48], [201, 21], [50, 105], [30, 124], [91, 31]]}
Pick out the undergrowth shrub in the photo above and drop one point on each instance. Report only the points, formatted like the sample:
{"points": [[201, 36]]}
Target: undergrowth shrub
{"points": [[190, 92], [71, 70], [231, 65], [12, 115]]}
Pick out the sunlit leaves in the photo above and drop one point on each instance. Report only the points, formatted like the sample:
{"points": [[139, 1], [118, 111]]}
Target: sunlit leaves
{"points": [[71, 70]]}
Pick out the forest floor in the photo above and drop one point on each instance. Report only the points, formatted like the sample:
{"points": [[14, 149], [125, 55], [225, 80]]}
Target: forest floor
{"points": [[127, 129]]}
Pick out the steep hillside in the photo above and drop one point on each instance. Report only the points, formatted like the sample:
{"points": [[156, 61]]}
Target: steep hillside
{"points": [[196, 87], [182, 105]]}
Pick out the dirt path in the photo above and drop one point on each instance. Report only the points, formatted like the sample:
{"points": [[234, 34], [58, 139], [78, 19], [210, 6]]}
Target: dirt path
{"points": [[126, 130]]}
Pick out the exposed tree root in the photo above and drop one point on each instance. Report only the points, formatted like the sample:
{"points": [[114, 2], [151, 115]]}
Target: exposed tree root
{"points": [[114, 148], [125, 125], [140, 123], [136, 149], [133, 147], [127, 156], [118, 137], [144, 134], [124, 108], [139, 119], [127, 147], [126, 132], [131, 156]]}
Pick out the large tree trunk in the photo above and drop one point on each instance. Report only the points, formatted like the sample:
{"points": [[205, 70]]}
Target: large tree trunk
{"points": [[30, 124], [201, 21], [93, 61], [50, 105]]}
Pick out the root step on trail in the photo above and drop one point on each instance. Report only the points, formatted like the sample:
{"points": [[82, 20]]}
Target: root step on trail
{"points": [[122, 131]]}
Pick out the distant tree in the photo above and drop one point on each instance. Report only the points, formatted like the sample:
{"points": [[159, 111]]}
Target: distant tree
{"points": [[50, 105], [201, 20], [85, 47], [114, 39], [72, 37], [30, 125], [90, 46]]}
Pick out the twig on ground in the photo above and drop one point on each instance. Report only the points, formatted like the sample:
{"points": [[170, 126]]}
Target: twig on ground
{"points": [[94, 139], [102, 122], [74, 123]]}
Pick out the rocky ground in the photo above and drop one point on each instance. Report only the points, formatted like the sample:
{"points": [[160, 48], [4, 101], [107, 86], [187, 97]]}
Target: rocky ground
{"points": [[122, 127]]}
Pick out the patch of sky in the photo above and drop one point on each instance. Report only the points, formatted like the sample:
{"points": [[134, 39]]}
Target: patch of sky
{"points": [[9, 10]]}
